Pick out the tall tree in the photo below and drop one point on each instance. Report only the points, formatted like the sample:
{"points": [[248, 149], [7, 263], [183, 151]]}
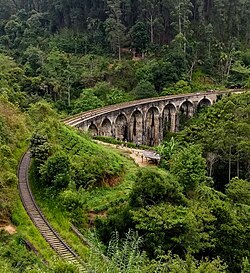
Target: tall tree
{"points": [[189, 168], [139, 37], [182, 11], [114, 27], [150, 9]]}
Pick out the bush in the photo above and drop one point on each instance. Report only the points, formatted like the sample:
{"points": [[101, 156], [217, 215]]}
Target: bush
{"points": [[10, 178], [239, 191], [154, 186], [39, 147], [70, 200], [179, 88], [118, 218], [5, 151], [87, 101], [144, 89], [56, 171]]}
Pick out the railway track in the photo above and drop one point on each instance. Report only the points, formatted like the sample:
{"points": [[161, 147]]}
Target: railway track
{"points": [[35, 214]]}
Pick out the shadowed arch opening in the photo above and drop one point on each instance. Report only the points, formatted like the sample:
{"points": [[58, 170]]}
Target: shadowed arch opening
{"points": [[121, 127], [187, 109], [152, 128], [185, 113], [93, 130], [205, 102], [106, 128], [136, 127], [169, 119]]}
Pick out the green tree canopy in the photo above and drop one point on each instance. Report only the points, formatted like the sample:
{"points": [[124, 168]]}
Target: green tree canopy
{"points": [[189, 167], [154, 186]]}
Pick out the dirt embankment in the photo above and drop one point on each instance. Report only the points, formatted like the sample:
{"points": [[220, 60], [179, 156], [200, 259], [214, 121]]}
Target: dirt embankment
{"points": [[7, 227]]}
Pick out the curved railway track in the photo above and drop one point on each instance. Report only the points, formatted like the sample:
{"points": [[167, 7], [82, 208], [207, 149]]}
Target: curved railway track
{"points": [[35, 214]]}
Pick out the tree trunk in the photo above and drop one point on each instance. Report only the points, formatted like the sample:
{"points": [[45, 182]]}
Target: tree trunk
{"points": [[211, 158], [119, 52], [228, 68], [151, 29], [210, 170], [238, 166], [15, 3], [69, 95], [229, 164], [119, 47], [192, 70], [179, 18]]}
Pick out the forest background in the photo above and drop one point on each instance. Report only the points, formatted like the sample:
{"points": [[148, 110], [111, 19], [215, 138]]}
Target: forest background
{"points": [[69, 51]]}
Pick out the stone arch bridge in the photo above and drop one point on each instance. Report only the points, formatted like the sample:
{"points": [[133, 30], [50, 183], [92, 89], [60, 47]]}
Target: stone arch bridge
{"points": [[144, 121]]}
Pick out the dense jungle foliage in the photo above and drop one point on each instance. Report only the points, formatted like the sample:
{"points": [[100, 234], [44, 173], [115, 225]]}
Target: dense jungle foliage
{"points": [[190, 214], [199, 204], [68, 51]]}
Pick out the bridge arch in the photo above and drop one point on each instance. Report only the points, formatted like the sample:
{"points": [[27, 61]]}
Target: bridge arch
{"points": [[169, 118], [187, 108], [186, 111], [204, 102], [136, 127], [152, 126], [93, 130], [121, 127], [106, 128]]}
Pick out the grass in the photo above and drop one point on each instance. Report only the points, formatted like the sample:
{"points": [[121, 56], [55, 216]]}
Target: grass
{"points": [[114, 141], [100, 199]]}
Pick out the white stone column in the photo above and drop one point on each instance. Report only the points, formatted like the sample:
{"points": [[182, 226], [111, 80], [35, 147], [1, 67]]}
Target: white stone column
{"points": [[173, 122]]}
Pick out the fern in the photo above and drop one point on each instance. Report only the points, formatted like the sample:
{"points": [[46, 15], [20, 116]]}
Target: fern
{"points": [[123, 255]]}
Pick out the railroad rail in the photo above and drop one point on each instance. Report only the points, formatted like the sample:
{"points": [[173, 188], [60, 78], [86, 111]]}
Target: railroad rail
{"points": [[37, 217]]}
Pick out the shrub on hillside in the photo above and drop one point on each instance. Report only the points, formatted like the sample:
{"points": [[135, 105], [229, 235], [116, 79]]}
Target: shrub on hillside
{"points": [[56, 171], [154, 186]]}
